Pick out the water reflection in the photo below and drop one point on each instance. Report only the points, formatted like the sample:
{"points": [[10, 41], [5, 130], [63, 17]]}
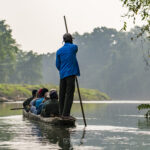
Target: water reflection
{"points": [[83, 136], [5, 135], [26, 134], [110, 126], [144, 123], [53, 135], [6, 132], [5, 109]]}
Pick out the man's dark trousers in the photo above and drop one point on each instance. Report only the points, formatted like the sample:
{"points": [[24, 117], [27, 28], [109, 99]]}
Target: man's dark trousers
{"points": [[66, 94]]}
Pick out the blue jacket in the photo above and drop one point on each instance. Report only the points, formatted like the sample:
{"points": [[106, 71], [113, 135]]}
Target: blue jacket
{"points": [[66, 61], [38, 102], [40, 108]]}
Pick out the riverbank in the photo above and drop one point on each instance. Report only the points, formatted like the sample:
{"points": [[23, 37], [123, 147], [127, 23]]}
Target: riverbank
{"points": [[19, 92]]}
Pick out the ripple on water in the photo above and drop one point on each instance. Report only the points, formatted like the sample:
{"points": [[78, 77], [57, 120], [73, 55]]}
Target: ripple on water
{"points": [[20, 134], [112, 129]]}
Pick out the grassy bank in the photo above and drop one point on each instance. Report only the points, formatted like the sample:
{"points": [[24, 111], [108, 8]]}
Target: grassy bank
{"points": [[22, 91]]}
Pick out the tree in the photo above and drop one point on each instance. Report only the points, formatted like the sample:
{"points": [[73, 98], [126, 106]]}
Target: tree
{"points": [[28, 68], [109, 61], [8, 51], [139, 8]]}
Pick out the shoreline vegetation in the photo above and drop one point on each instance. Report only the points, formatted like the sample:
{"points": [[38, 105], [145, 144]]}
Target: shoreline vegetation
{"points": [[20, 92]]}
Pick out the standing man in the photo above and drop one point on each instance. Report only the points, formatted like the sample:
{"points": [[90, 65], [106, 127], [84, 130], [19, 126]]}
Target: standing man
{"points": [[66, 63]]}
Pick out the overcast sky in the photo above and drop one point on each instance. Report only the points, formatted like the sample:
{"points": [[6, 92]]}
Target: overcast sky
{"points": [[38, 25]]}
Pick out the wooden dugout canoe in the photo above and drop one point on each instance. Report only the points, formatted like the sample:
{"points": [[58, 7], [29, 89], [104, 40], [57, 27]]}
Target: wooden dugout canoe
{"points": [[50, 120]]}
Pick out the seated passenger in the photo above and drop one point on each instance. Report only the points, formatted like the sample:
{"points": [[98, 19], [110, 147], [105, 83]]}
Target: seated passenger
{"points": [[46, 97], [33, 102], [33, 108], [41, 98], [26, 103], [51, 107]]}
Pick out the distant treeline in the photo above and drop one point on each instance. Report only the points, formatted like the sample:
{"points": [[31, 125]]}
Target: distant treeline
{"points": [[23, 91], [111, 61]]}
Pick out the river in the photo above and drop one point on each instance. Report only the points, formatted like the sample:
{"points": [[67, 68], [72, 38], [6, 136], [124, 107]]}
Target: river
{"points": [[112, 125]]}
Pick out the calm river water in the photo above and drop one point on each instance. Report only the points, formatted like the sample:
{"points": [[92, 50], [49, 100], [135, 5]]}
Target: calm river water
{"points": [[112, 125]]}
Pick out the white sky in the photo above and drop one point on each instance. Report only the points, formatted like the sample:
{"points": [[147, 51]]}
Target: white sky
{"points": [[38, 25]]}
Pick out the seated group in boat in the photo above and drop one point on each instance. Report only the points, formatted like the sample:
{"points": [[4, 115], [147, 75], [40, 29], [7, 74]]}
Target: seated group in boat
{"points": [[43, 103]]}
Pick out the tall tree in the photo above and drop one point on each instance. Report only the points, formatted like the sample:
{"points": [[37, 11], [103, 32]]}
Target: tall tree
{"points": [[8, 50], [28, 68], [111, 62]]}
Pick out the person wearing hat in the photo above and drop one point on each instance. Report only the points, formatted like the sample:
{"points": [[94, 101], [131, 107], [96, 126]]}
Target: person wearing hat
{"points": [[67, 64]]}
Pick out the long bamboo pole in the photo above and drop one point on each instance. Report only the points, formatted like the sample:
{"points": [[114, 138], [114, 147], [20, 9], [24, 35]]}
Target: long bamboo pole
{"points": [[78, 89]]}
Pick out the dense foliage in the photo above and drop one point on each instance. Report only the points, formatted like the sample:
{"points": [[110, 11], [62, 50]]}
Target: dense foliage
{"points": [[28, 68], [21, 67], [8, 50], [17, 66], [145, 106], [110, 62], [139, 8]]}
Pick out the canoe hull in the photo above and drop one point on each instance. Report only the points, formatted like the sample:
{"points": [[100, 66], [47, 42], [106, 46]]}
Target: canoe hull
{"points": [[49, 120]]}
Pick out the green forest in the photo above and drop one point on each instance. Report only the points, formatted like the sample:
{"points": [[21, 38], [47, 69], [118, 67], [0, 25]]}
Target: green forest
{"points": [[111, 61], [17, 92]]}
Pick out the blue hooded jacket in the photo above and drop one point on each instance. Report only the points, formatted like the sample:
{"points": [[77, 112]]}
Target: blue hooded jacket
{"points": [[38, 102], [66, 61]]}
